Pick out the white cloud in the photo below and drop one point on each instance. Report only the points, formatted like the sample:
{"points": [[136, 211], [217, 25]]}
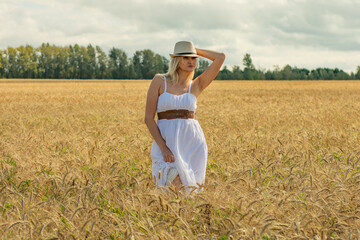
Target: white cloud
{"points": [[304, 33]]}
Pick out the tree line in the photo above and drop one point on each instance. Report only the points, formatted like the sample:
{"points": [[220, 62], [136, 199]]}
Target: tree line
{"points": [[80, 62], [286, 73]]}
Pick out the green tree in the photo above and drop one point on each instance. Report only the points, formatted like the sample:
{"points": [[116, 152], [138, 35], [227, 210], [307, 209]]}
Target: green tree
{"points": [[61, 58], [357, 74], [3, 64], [75, 60], [83, 60], [132, 73], [259, 75], [341, 75], [102, 64], [224, 74], [269, 75], [33, 64], [22, 62], [71, 64], [136, 64], [324, 74], [286, 72], [90, 67], [145, 64], [118, 63], [237, 74], [249, 67], [247, 61], [303, 73], [12, 64], [277, 73], [160, 64], [201, 67], [46, 68], [314, 75]]}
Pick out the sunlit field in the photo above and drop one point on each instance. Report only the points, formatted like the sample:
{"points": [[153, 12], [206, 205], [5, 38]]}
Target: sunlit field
{"points": [[283, 163]]}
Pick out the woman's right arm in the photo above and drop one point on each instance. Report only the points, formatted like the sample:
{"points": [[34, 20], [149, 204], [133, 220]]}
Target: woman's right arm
{"points": [[150, 111]]}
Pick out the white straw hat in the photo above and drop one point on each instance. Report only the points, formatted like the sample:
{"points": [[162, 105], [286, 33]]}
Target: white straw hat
{"points": [[184, 49]]}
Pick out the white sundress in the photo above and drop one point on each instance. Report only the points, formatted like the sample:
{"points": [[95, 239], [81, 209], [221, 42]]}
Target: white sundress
{"points": [[185, 139]]}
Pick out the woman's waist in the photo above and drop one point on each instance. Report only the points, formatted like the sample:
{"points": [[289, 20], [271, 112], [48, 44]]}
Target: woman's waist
{"points": [[176, 114], [173, 108]]}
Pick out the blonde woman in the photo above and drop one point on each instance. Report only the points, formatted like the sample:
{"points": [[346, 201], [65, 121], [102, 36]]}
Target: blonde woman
{"points": [[179, 150]]}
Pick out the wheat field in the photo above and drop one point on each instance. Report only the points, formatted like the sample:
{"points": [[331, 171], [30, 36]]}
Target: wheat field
{"points": [[283, 162]]}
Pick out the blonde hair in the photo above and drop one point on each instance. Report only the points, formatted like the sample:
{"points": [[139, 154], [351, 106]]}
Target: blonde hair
{"points": [[172, 75]]}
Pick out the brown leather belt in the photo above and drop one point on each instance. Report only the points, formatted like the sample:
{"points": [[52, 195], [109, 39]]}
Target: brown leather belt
{"points": [[173, 114]]}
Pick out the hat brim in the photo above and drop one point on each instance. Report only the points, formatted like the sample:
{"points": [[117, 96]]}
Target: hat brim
{"points": [[184, 55]]}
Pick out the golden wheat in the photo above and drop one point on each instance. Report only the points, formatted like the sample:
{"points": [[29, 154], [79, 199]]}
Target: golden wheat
{"points": [[283, 162]]}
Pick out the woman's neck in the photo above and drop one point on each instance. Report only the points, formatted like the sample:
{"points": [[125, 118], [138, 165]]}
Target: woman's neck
{"points": [[184, 76]]}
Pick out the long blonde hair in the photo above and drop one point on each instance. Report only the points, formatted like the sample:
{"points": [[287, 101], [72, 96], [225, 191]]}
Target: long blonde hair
{"points": [[172, 75]]}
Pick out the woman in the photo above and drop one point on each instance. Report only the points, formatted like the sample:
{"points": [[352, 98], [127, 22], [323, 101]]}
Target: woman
{"points": [[179, 150]]}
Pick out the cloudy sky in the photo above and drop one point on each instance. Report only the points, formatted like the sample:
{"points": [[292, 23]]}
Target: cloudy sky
{"points": [[302, 33]]}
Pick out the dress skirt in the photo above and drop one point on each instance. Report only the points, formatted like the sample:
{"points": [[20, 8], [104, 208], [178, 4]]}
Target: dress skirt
{"points": [[186, 140]]}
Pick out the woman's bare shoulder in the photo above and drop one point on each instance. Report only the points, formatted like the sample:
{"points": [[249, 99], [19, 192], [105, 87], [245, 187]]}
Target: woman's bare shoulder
{"points": [[157, 84], [158, 79]]}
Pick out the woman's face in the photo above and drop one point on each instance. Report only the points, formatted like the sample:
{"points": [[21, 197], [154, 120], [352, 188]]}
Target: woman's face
{"points": [[188, 64]]}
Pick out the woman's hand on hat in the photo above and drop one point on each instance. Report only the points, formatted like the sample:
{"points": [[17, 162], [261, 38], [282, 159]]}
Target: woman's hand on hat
{"points": [[167, 154], [196, 50]]}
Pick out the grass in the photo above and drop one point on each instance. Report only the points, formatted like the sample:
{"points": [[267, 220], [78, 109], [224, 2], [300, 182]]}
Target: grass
{"points": [[283, 163]]}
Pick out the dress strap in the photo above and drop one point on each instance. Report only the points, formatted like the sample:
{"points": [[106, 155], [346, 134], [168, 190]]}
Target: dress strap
{"points": [[190, 86], [165, 83]]}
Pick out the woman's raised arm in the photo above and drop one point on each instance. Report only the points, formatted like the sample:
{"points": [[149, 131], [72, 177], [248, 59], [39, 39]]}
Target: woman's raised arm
{"points": [[210, 73]]}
